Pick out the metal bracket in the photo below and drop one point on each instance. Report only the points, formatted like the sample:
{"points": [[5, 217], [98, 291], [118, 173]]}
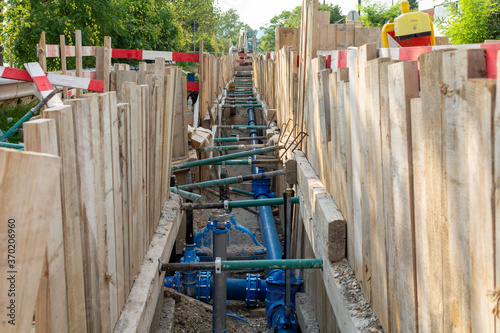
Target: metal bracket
{"points": [[226, 204], [218, 265]]}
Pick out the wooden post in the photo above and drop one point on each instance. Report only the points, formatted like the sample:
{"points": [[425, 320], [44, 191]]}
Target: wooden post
{"points": [[42, 192], [403, 85], [201, 102], [62, 47], [107, 62], [63, 117], [41, 137], [78, 57], [41, 52]]}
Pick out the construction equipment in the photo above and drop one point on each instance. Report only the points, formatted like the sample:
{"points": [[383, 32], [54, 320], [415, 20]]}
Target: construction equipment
{"points": [[409, 29]]}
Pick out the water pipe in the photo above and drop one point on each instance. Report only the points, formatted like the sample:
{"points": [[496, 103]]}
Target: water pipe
{"points": [[18, 146], [246, 265], [243, 127], [243, 192], [242, 106], [208, 161], [189, 195], [230, 180], [32, 112], [237, 138], [262, 201], [248, 162], [231, 147]]}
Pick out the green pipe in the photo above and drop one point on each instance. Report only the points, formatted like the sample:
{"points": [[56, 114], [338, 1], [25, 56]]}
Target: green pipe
{"points": [[237, 138], [244, 127], [231, 180], [208, 161], [16, 126], [239, 204], [237, 190], [250, 265], [245, 265], [15, 146], [246, 162], [242, 106], [188, 195], [231, 147]]}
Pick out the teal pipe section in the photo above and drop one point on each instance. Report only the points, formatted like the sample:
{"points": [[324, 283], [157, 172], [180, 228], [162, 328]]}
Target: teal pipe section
{"points": [[237, 190], [234, 162], [189, 195], [208, 161], [248, 265], [260, 202], [231, 147], [17, 146], [242, 106], [16, 126], [244, 127]]}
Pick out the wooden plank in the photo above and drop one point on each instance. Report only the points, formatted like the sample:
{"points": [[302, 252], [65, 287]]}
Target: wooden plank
{"points": [[42, 52], [374, 183], [86, 124], [201, 78], [109, 204], [63, 117], [403, 85], [123, 76], [430, 232], [160, 112], [107, 63], [180, 129], [62, 51], [41, 137], [42, 307], [496, 163], [481, 95], [78, 57], [458, 66], [139, 310], [143, 92], [30, 227], [123, 114]]}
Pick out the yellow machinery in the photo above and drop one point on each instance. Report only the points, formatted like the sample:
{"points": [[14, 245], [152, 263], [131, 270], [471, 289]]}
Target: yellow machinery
{"points": [[409, 29]]}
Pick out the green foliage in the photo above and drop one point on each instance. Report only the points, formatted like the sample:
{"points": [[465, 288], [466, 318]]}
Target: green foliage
{"points": [[376, 14], [413, 5], [291, 19], [11, 114], [229, 30], [472, 21]]}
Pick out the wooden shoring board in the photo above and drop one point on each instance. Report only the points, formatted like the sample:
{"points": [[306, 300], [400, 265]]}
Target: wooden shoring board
{"points": [[143, 92], [480, 109], [374, 170], [335, 191], [78, 58], [170, 80], [104, 103], [123, 115], [63, 117], [86, 124], [430, 229], [458, 67], [325, 126], [180, 148], [62, 42], [151, 81], [137, 315], [31, 228], [123, 76], [496, 163], [41, 137], [159, 113], [403, 85]]}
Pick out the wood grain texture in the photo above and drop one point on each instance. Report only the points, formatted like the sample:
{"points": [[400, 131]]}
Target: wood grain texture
{"points": [[31, 227]]}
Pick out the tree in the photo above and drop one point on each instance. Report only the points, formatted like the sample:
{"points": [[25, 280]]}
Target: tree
{"points": [[376, 14], [471, 21], [413, 4], [132, 24]]}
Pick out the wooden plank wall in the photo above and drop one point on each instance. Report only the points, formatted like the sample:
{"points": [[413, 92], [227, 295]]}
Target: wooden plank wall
{"points": [[411, 159], [116, 156]]}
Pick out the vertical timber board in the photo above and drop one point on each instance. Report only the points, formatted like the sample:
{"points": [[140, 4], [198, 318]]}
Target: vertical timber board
{"points": [[160, 105], [118, 201], [480, 108], [324, 125], [31, 226], [374, 183], [42, 52], [41, 137], [78, 58], [90, 211], [385, 131], [458, 66], [365, 53], [123, 114], [430, 229], [496, 146], [151, 81], [109, 203], [62, 51], [143, 90], [63, 117], [180, 149], [107, 63], [403, 85]]}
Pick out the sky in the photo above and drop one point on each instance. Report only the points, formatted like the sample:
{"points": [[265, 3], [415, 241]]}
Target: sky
{"points": [[256, 13]]}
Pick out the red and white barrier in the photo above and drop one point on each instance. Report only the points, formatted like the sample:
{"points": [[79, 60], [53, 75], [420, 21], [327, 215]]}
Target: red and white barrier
{"points": [[53, 51], [42, 83]]}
